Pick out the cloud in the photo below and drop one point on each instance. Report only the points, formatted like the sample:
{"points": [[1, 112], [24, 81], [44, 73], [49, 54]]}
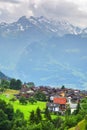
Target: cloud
{"points": [[79, 74], [54, 8], [72, 50], [7, 67], [10, 11], [46, 78], [84, 85], [84, 58], [71, 86], [10, 1], [65, 9], [73, 11]]}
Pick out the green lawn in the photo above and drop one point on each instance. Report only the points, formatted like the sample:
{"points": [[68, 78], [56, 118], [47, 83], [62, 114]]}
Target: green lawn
{"points": [[26, 109]]}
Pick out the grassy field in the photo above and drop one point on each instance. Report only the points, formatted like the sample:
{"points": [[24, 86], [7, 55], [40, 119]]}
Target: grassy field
{"points": [[72, 128], [11, 92], [26, 109], [80, 126]]}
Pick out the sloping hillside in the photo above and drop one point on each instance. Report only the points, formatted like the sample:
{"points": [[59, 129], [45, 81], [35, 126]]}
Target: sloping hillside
{"points": [[82, 125], [3, 76]]}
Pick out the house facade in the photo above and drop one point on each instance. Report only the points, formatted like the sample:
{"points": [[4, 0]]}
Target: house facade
{"points": [[57, 104]]}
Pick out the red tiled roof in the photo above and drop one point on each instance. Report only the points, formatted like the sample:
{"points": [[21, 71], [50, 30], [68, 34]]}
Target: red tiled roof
{"points": [[59, 100]]}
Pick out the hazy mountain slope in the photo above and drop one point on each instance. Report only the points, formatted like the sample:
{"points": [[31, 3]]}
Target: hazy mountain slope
{"points": [[44, 51], [3, 76], [57, 61]]}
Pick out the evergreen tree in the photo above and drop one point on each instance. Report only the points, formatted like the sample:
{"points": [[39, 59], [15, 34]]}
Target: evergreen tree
{"points": [[47, 125], [32, 118], [18, 84], [68, 111], [9, 111], [13, 83], [3, 116], [2, 105], [4, 84], [63, 87], [47, 114], [18, 114], [77, 109], [38, 115], [5, 125], [57, 122]]}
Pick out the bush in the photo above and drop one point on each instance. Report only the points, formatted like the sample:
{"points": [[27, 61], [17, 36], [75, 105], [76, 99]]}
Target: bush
{"points": [[32, 100], [23, 100]]}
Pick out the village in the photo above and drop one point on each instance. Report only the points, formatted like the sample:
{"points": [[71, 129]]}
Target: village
{"points": [[58, 99], [60, 106]]}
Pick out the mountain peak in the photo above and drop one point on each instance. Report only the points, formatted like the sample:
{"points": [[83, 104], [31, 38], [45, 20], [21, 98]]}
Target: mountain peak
{"points": [[51, 27], [23, 19]]}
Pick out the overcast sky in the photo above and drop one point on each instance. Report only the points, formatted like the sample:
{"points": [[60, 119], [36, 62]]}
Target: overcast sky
{"points": [[75, 11]]}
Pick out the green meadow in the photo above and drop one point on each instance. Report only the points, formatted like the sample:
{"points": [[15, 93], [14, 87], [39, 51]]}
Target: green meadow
{"points": [[26, 109]]}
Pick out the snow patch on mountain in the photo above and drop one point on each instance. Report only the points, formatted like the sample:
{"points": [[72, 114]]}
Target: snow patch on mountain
{"points": [[54, 27]]}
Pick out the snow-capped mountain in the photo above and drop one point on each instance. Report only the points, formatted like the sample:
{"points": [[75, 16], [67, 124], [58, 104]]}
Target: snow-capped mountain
{"points": [[45, 51], [53, 27]]}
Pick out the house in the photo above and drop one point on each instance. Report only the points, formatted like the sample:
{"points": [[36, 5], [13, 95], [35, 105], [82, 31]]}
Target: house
{"points": [[26, 92], [58, 104], [53, 107], [61, 101], [62, 94], [51, 98], [73, 105]]}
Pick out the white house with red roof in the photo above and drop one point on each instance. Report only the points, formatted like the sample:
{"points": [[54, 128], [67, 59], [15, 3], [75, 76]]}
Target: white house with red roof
{"points": [[58, 104]]}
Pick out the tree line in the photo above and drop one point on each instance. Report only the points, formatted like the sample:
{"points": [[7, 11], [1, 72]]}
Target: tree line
{"points": [[39, 120], [14, 120], [15, 84]]}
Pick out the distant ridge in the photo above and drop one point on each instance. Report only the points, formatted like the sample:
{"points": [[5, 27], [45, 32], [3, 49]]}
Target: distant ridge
{"points": [[3, 76]]}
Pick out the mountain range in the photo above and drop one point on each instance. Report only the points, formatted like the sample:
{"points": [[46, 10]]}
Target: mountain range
{"points": [[45, 51]]}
